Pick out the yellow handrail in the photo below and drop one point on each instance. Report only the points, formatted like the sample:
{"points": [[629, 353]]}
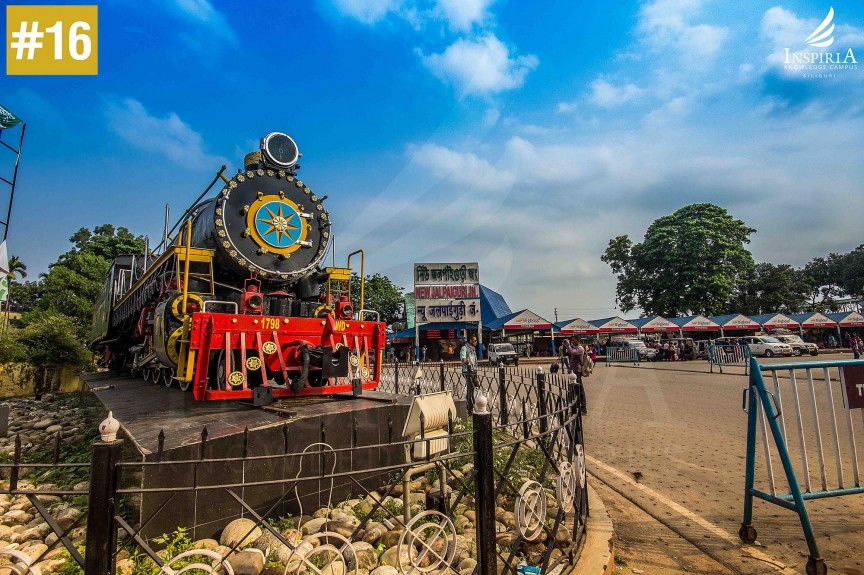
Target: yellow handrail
{"points": [[362, 274], [186, 264]]}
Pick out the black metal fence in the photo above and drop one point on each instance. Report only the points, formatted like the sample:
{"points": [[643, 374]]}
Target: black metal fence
{"points": [[503, 488]]}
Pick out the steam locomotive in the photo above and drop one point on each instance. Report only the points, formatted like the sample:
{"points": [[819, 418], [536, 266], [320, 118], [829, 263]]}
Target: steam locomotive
{"points": [[235, 305]]}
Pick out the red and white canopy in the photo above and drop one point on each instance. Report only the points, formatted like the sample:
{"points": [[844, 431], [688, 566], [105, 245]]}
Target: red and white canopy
{"points": [[699, 323], [779, 320], [579, 327], [659, 325], [854, 319], [615, 325], [741, 322], [818, 320], [527, 320]]}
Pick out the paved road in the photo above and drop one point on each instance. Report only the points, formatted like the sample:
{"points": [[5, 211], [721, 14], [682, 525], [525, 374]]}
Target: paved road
{"points": [[671, 438]]}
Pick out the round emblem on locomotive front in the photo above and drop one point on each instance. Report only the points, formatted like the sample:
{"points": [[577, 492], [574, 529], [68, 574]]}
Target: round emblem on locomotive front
{"points": [[353, 360], [235, 378], [253, 363], [268, 347], [277, 224]]}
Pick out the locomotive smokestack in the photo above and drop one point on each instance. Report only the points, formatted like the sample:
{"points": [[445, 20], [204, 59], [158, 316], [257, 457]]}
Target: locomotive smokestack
{"points": [[252, 161]]}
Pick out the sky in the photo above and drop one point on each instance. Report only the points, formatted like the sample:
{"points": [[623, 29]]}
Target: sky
{"points": [[523, 136]]}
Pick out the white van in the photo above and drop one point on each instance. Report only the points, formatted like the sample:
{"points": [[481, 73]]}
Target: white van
{"points": [[502, 353], [767, 346]]}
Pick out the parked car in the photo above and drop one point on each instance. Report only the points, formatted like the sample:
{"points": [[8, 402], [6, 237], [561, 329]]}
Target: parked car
{"points": [[799, 346], [767, 346], [502, 353], [701, 349], [645, 353]]}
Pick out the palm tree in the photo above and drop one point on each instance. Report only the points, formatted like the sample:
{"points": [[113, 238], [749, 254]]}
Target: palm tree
{"points": [[16, 266]]}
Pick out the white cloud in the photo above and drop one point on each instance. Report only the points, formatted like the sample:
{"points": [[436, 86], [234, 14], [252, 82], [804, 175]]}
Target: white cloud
{"points": [[465, 170], [481, 66], [491, 116], [367, 11], [666, 25], [169, 136], [202, 12], [463, 14], [608, 95]]}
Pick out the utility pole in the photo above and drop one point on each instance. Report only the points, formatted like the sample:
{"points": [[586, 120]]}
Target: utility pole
{"points": [[556, 315]]}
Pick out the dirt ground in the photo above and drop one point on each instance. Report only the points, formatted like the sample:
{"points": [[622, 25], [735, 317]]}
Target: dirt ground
{"points": [[671, 438], [644, 545]]}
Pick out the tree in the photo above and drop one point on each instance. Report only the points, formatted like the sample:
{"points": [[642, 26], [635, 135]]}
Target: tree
{"points": [[690, 262], [74, 281], [16, 267], [848, 271], [379, 294], [772, 288], [818, 279]]}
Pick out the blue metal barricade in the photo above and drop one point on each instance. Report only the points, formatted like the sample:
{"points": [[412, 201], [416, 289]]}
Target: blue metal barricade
{"points": [[733, 355], [622, 355], [830, 393]]}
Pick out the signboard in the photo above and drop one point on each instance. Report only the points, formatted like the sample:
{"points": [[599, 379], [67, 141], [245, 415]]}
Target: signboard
{"points": [[617, 325], [443, 311], [853, 378], [818, 320], [579, 327], [527, 320], [741, 322], [659, 324], [409, 310], [446, 274], [700, 323], [446, 292], [779, 320]]}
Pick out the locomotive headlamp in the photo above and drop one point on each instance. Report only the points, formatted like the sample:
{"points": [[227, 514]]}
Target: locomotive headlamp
{"points": [[279, 150], [256, 301]]}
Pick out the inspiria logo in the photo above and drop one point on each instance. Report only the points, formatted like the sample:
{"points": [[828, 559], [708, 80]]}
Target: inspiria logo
{"points": [[824, 64]]}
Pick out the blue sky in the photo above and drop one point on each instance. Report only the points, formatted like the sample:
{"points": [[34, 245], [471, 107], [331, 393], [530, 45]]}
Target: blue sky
{"points": [[520, 135]]}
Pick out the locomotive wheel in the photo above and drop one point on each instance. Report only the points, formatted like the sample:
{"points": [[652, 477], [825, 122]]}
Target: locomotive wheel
{"points": [[185, 385], [220, 367], [166, 376], [147, 373]]}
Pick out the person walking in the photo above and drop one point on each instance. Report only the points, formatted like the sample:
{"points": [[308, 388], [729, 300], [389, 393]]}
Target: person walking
{"points": [[576, 354], [468, 355], [855, 343]]}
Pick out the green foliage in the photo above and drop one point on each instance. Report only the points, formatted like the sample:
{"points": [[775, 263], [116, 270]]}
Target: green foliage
{"points": [[50, 340], [75, 280], [11, 348], [771, 288], [690, 262], [70, 567], [379, 294], [282, 523], [16, 268], [173, 544], [24, 296]]}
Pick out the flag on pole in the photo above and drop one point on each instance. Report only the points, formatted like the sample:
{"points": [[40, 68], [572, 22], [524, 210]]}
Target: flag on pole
{"points": [[8, 119], [4, 288], [4, 259]]}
